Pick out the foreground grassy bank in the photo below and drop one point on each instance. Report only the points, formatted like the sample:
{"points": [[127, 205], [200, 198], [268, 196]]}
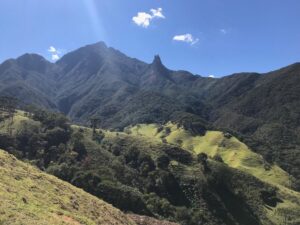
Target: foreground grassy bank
{"points": [[28, 196]]}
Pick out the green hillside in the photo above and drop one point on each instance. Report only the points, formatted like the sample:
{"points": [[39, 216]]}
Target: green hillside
{"points": [[97, 80], [28, 197], [234, 153], [154, 170]]}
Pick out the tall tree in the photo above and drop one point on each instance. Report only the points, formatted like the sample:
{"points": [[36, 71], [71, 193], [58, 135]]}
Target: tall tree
{"points": [[95, 123], [8, 107]]}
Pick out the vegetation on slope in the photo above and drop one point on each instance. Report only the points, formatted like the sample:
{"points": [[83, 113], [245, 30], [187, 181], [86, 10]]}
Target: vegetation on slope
{"points": [[146, 174], [29, 196], [96, 80], [228, 149], [217, 144]]}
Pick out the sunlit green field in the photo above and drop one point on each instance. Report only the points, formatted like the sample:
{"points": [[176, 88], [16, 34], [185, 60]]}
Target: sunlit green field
{"points": [[235, 154]]}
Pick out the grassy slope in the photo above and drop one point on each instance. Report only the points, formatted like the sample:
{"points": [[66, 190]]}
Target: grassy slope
{"points": [[235, 154], [28, 196]]}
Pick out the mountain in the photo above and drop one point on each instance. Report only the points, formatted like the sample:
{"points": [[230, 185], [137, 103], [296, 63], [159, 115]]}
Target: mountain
{"points": [[98, 81], [30, 79], [265, 108]]}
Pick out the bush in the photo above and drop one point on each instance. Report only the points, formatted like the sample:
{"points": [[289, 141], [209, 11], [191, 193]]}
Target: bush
{"points": [[202, 158], [178, 154], [56, 136], [6, 141], [131, 157], [122, 197], [98, 136], [227, 135], [87, 180], [79, 147], [218, 158], [163, 162], [145, 164], [269, 197]]}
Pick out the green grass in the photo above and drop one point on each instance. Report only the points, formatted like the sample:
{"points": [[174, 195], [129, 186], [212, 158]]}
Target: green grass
{"points": [[28, 196], [236, 155], [149, 138], [233, 152]]}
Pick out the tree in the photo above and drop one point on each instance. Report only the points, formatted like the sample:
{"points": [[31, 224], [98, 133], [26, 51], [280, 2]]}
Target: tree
{"points": [[79, 147], [8, 107], [202, 158], [163, 162], [8, 104], [95, 122], [218, 158], [56, 136], [6, 141]]}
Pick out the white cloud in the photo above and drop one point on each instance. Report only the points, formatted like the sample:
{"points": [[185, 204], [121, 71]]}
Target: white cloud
{"points": [[55, 57], [54, 53], [157, 13], [143, 19], [52, 49], [211, 76], [188, 38], [224, 31]]}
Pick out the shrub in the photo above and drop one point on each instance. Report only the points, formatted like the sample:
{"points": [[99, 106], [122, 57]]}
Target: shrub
{"points": [[163, 162], [79, 147], [56, 136], [98, 136], [178, 154], [202, 158], [227, 135], [6, 141], [218, 158]]}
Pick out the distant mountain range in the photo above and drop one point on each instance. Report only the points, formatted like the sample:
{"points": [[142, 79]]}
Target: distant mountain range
{"points": [[96, 80]]}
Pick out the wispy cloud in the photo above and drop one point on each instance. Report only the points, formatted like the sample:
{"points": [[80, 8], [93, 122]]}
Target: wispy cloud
{"points": [[157, 13], [211, 76], [188, 38], [143, 19], [55, 54], [224, 31]]}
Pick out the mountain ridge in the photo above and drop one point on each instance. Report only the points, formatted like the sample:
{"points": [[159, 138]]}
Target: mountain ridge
{"points": [[100, 81]]}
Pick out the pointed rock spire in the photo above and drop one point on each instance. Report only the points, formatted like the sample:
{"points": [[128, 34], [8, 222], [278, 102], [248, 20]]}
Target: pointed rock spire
{"points": [[157, 60], [157, 64]]}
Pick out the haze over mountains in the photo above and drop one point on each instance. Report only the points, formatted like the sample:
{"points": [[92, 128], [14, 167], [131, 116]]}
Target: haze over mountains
{"points": [[95, 80]]}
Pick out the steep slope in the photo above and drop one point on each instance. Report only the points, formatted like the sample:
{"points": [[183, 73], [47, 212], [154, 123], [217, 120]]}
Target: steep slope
{"points": [[95, 77], [228, 149], [30, 78], [215, 143], [268, 111], [28, 196], [101, 81]]}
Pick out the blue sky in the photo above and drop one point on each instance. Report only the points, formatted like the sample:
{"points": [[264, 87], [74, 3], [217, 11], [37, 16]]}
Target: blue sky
{"points": [[221, 36]]}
